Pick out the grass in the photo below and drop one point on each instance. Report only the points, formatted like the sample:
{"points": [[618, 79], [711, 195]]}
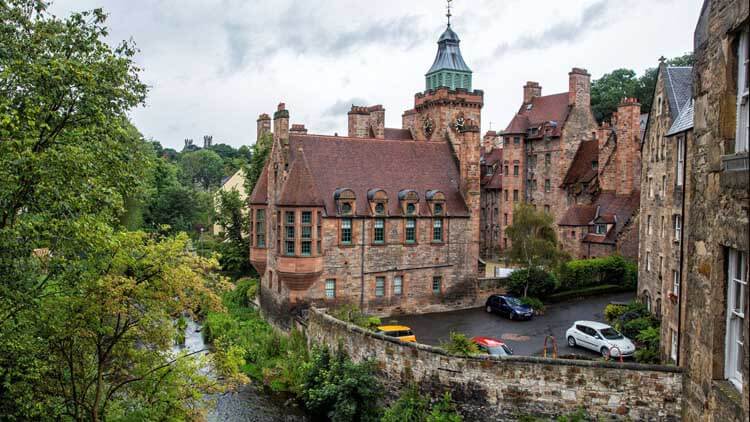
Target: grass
{"points": [[588, 291]]}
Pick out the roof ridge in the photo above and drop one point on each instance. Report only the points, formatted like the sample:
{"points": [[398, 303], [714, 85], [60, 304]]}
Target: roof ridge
{"points": [[353, 138], [671, 85]]}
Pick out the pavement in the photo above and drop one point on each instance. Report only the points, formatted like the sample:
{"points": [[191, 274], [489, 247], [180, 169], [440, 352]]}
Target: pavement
{"points": [[524, 337]]}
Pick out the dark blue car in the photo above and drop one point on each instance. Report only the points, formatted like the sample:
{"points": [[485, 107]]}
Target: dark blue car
{"points": [[508, 306]]}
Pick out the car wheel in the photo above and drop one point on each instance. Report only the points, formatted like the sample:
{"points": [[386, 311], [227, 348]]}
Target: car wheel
{"points": [[605, 352], [571, 341], [489, 309]]}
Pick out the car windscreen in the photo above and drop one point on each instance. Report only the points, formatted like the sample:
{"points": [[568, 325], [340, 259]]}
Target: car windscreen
{"points": [[513, 301], [610, 334], [497, 351]]}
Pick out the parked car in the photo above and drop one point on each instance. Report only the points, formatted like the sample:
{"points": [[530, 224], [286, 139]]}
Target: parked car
{"points": [[492, 346], [600, 338], [509, 306], [400, 332]]}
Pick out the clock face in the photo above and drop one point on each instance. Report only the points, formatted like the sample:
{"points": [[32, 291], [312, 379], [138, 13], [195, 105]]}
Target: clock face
{"points": [[460, 123], [427, 126]]}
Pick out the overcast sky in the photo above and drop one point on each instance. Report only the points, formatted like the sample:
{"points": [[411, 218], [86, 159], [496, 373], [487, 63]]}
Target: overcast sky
{"points": [[214, 65]]}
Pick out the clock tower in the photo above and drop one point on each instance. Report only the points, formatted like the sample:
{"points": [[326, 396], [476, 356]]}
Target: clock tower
{"points": [[449, 110]]}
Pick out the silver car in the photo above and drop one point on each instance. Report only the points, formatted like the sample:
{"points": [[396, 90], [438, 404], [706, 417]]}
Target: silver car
{"points": [[600, 338]]}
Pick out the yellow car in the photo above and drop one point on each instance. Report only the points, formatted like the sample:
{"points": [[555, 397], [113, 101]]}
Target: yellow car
{"points": [[400, 332]]}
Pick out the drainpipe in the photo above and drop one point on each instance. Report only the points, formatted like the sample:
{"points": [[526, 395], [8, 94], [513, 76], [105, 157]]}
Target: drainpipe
{"points": [[362, 268], [682, 250]]}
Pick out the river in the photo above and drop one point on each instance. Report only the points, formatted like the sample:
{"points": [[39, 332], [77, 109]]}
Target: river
{"points": [[247, 403]]}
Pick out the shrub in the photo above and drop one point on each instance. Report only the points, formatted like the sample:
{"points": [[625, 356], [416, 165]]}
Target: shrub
{"points": [[334, 388], [540, 283], [632, 328], [218, 325], [460, 345], [244, 292], [648, 339], [352, 313], [414, 407], [612, 312], [614, 270], [535, 303]]}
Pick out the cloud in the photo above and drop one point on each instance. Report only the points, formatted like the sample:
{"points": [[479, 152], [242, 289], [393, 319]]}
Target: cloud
{"points": [[592, 18], [342, 107]]}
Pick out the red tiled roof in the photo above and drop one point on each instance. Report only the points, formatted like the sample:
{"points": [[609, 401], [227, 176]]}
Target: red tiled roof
{"points": [[543, 109], [299, 189], [581, 169], [397, 134], [362, 164], [578, 215], [260, 191], [611, 206]]}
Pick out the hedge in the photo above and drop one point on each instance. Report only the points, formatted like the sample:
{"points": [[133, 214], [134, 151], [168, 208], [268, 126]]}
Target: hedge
{"points": [[611, 270], [587, 291]]}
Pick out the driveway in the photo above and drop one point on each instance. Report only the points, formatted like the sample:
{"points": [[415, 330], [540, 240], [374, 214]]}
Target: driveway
{"points": [[525, 337]]}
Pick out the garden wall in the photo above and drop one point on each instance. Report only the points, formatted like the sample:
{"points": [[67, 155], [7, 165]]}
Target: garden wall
{"points": [[490, 388]]}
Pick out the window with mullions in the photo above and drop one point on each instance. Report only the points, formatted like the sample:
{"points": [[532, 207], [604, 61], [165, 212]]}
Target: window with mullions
{"points": [[437, 285], [289, 230], [260, 228], [331, 288], [319, 232], [346, 231], [398, 285], [306, 233], [735, 317], [379, 286], [437, 230], [379, 231], [411, 230]]}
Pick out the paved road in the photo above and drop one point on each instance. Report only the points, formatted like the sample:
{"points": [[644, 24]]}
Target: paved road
{"points": [[525, 337]]}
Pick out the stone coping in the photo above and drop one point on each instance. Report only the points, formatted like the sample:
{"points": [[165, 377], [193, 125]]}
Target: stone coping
{"points": [[523, 359]]}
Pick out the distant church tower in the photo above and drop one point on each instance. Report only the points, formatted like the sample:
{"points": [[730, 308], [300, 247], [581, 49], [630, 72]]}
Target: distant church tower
{"points": [[449, 110]]}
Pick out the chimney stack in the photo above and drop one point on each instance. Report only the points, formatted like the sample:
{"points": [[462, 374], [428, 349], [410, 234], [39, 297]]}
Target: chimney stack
{"points": [[579, 88], [264, 126], [531, 90], [281, 123], [367, 122], [298, 129]]}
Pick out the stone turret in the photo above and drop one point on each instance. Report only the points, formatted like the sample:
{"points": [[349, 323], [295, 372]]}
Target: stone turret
{"points": [[264, 125]]}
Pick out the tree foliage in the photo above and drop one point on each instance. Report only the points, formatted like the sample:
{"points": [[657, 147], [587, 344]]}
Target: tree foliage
{"points": [[261, 150], [203, 168], [232, 216], [611, 88]]}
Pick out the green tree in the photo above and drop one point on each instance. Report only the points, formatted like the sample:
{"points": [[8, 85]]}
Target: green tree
{"points": [[609, 90], [203, 168], [533, 240], [233, 218], [261, 150]]}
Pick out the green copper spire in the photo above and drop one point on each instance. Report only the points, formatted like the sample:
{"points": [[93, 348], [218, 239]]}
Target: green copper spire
{"points": [[449, 69]]}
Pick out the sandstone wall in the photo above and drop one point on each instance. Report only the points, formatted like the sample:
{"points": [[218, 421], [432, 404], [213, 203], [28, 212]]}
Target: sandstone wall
{"points": [[507, 388]]}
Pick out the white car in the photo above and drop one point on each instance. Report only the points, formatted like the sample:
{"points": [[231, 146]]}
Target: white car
{"points": [[600, 338]]}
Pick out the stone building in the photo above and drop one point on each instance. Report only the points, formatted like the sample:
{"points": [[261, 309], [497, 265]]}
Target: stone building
{"points": [[387, 219], [587, 177], [713, 337], [661, 236], [491, 163]]}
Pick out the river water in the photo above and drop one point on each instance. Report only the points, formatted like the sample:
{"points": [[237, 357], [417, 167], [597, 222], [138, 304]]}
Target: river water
{"points": [[246, 403]]}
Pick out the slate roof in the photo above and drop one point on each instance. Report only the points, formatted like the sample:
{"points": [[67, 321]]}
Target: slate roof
{"points": [[299, 189], [678, 81], [543, 109], [643, 122], [581, 169], [449, 54], [494, 181], [361, 164], [684, 120], [578, 215], [613, 207], [260, 191], [397, 134]]}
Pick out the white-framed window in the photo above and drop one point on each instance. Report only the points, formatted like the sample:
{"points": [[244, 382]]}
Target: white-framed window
{"points": [[398, 285], [676, 282], [648, 225], [675, 344], [735, 337], [648, 261], [677, 228], [680, 160], [743, 92], [601, 229], [379, 286], [330, 288]]}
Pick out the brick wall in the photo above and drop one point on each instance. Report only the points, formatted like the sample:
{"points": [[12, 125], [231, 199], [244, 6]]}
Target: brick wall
{"points": [[506, 388]]}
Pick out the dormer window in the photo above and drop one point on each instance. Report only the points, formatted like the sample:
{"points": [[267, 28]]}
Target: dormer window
{"points": [[378, 200], [600, 229], [345, 201], [438, 209], [409, 201], [436, 201]]}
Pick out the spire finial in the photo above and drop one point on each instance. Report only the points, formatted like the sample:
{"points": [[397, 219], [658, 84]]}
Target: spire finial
{"points": [[448, 15]]}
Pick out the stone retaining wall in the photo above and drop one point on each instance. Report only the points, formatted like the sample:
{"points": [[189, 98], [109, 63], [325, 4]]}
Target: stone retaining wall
{"points": [[494, 389]]}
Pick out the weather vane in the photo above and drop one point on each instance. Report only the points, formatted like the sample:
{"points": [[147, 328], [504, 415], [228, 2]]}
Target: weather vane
{"points": [[449, 13]]}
